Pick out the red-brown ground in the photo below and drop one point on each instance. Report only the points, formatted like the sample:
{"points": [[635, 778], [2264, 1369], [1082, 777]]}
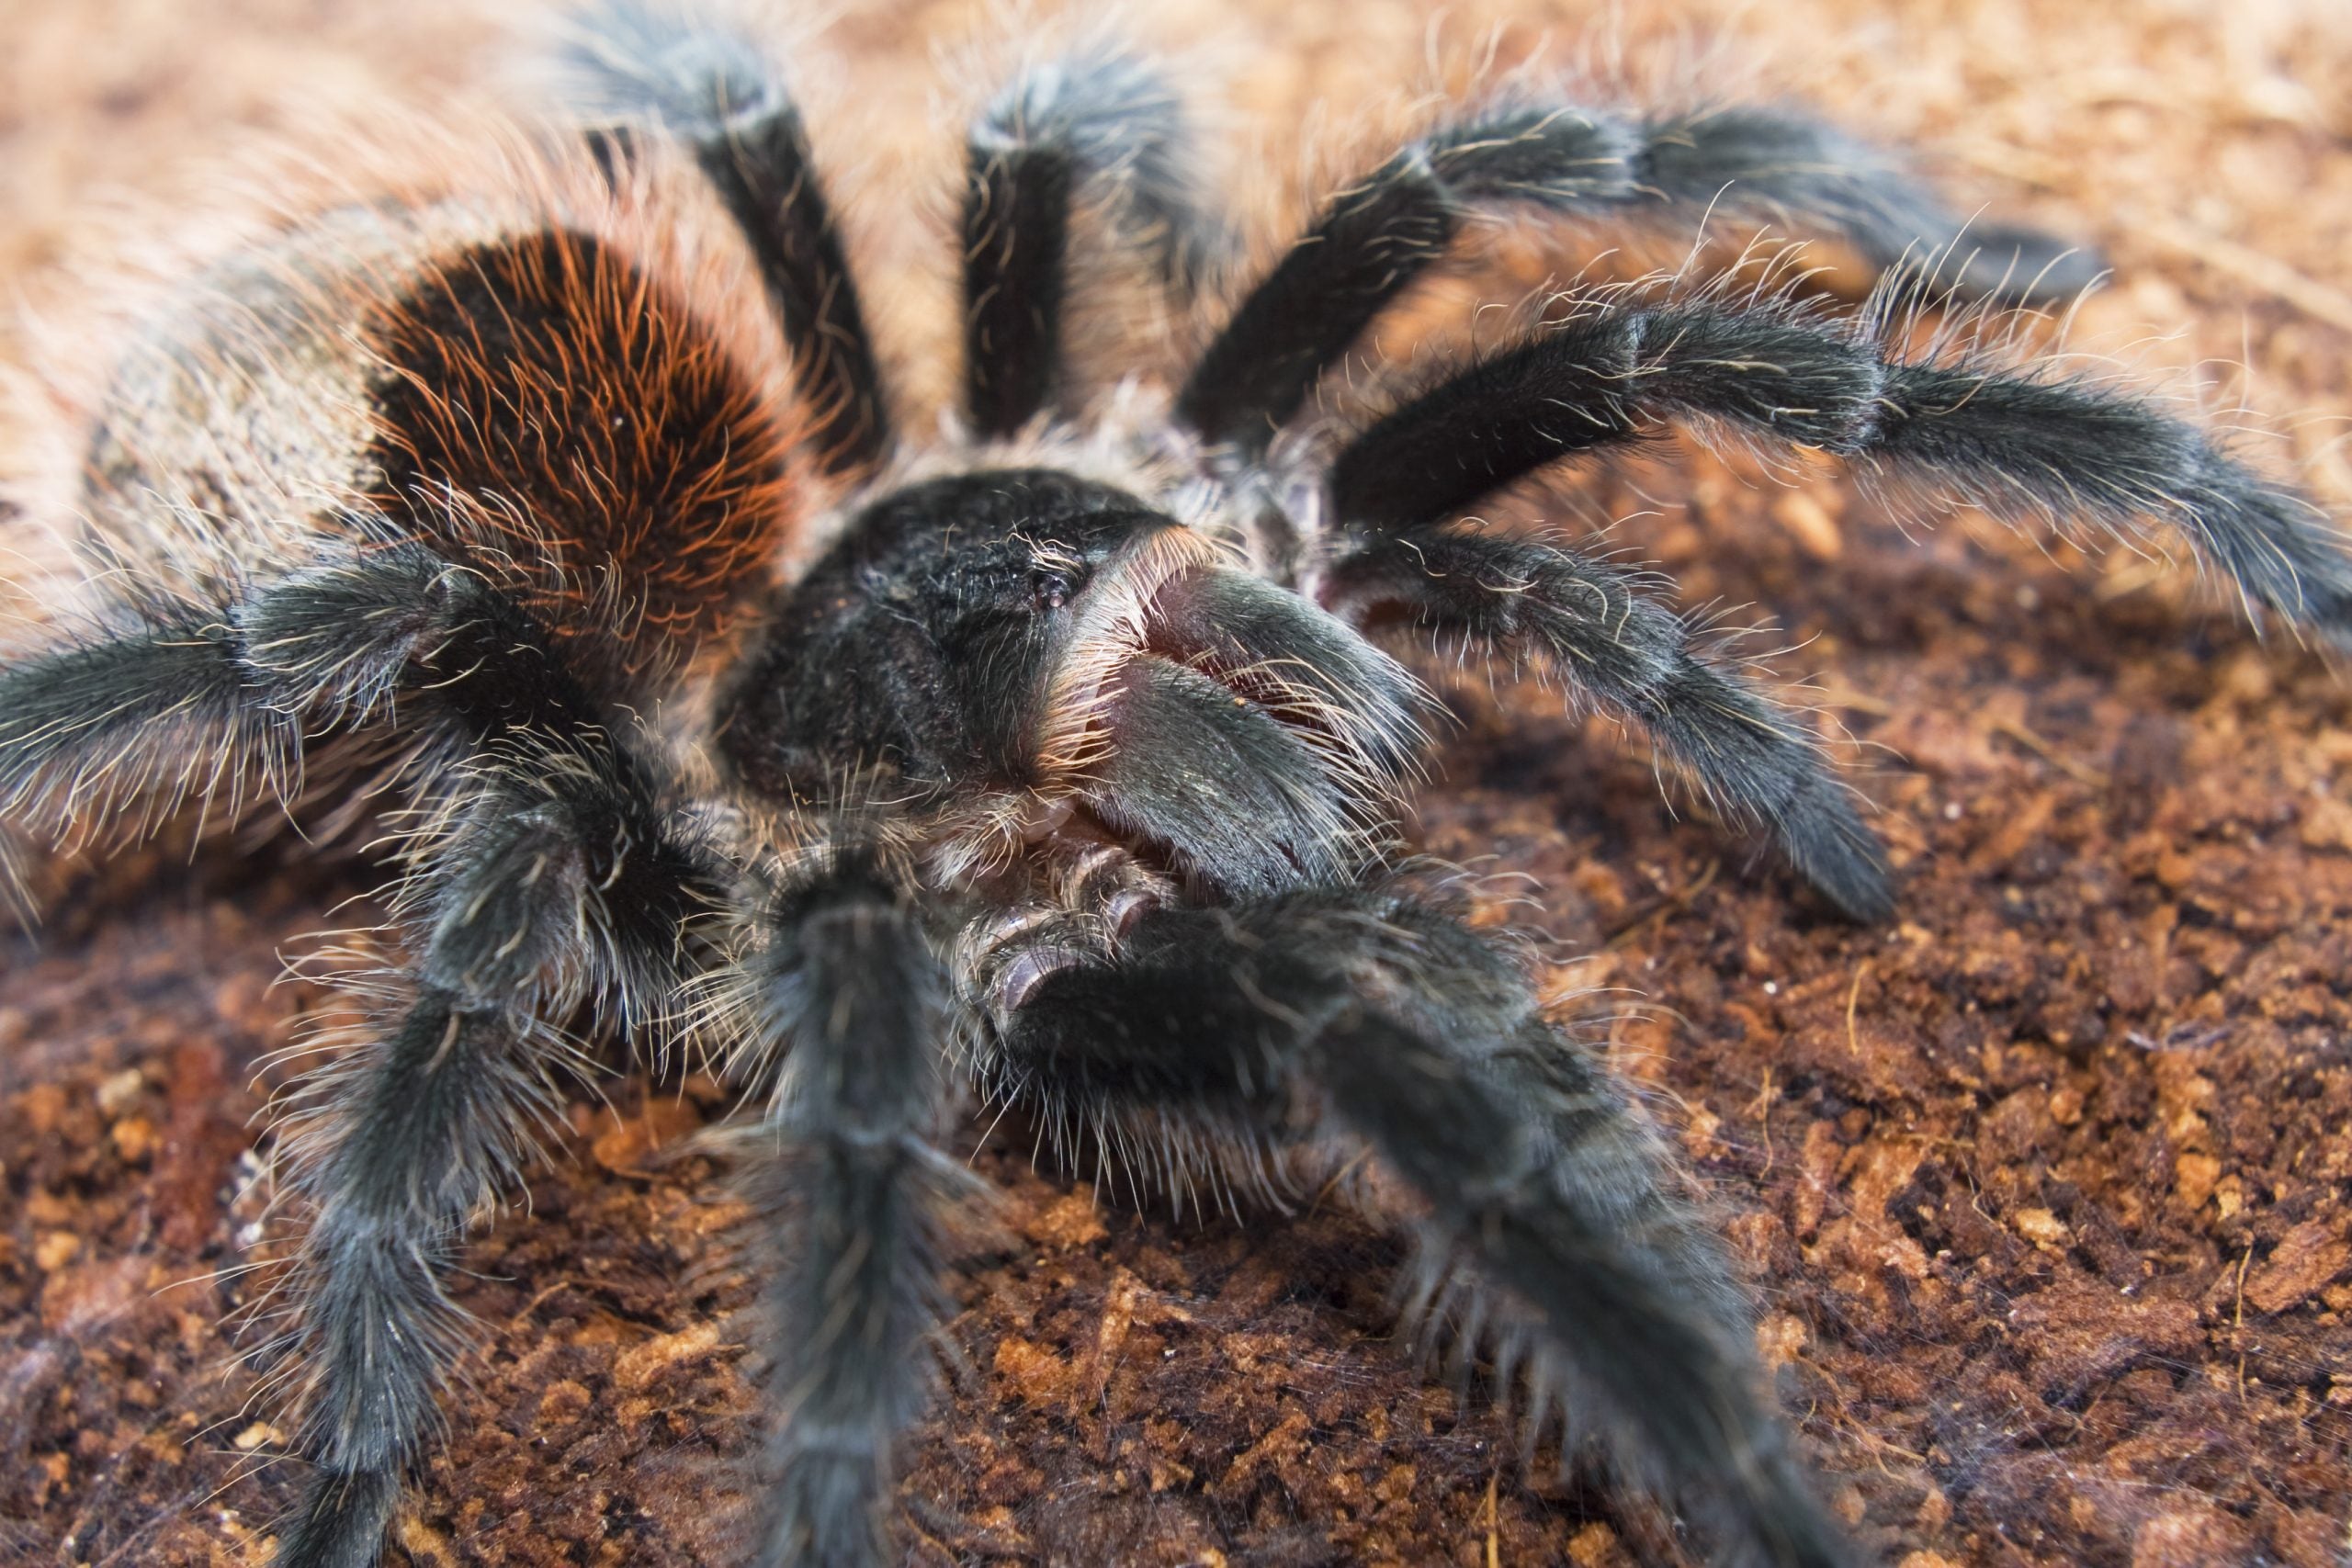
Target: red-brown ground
{"points": [[2043, 1185]]}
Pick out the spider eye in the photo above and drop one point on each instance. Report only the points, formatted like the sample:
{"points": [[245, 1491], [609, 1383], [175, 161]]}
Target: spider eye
{"points": [[1049, 589]]}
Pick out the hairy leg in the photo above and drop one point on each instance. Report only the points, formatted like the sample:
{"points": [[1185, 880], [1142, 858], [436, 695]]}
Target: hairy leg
{"points": [[434, 1121], [1097, 128], [113, 730], [1593, 627], [844, 1005], [536, 899], [1546, 1203], [716, 91], [548, 877], [192, 700], [543, 875], [110, 735], [1375, 239], [1762, 163], [2013, 443]]}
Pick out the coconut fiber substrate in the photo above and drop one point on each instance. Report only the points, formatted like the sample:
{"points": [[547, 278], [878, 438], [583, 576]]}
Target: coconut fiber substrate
{"points": [[2042, 1184]]}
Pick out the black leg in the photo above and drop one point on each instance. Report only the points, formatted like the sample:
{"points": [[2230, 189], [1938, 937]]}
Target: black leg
{"points": [[1016, 229], [546, 879], [846, 1007], [717, 93], [1589, 622], [1765, 164], [543, 875], [400, 1145], [1546, 1198], [2013, 443], [1375, 240], [214, 699], [112, 735], [1100, 128], [430, 1124]]}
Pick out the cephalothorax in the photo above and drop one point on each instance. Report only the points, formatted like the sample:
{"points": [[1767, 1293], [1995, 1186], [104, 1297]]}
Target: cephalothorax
{"points": [[1055, 756]]}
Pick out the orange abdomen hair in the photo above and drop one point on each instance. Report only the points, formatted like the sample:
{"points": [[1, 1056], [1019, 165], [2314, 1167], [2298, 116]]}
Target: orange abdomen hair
{"points": [[547, 416]]}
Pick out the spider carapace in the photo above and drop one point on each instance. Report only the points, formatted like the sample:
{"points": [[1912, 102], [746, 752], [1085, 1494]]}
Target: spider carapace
{"points": [[1054, 758]]}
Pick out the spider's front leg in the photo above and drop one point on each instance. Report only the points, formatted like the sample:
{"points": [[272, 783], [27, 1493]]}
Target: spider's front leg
{"points": [[2011, 441], [1366, 1019], [842, 1003], [1590, 623], [1376, 238]]}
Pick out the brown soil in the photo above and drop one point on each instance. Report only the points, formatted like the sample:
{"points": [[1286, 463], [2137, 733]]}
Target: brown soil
{"points": [[2043, 1185]]}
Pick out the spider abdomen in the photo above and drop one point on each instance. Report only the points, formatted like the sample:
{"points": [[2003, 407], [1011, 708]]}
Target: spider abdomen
{"points": [[547, 414], [555, 394]]}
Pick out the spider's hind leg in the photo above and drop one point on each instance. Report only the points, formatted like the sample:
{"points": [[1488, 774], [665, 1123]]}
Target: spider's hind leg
{"points": [[1546, 1204], [545, 876], [714, 90], [538, 897], [138, 719], [1100, 134], [177, 700]]}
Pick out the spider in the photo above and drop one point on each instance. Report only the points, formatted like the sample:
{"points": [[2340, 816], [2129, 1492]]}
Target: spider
{"points": [[1053, 758]]}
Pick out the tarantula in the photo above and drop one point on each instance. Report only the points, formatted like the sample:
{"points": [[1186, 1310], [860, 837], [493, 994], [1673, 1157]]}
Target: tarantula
{"points": [[1052, 757]]}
